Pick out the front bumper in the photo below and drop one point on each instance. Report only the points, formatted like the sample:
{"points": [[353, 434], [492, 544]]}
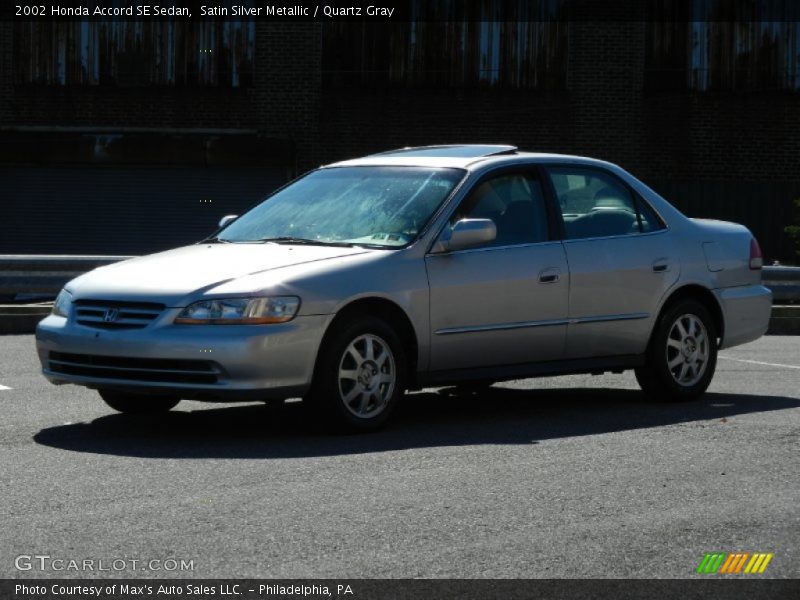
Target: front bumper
{"points": [[746, 311], [249, 362]]}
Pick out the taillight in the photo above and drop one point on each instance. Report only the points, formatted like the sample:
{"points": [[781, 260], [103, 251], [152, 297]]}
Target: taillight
{"points": [[756, 258]]}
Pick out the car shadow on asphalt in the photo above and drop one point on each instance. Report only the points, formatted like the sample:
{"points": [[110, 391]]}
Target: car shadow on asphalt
{"points": [[425, 419]]}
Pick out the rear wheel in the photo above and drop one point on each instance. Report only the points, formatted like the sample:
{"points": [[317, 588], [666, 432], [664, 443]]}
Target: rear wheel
{"points": [[138, 404], [360, 375], [683, 354]]}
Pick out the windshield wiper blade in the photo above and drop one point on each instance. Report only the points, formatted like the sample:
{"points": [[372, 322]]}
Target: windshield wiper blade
{"points": [[296, 240], [215, 240]]}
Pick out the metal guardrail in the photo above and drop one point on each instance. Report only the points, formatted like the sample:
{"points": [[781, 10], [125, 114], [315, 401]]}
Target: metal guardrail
{"points": [[47, 274], [784, 283]]}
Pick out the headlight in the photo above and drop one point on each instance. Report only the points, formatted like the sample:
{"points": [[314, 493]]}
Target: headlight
{"points": [[240, 311], [62, 304]]}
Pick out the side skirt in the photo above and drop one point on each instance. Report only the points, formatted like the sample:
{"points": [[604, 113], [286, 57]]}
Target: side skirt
{"points": [[595, 366]]}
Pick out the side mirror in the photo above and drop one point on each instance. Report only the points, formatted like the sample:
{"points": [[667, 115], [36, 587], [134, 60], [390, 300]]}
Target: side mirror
{"points": [[226, 220], [466, 233]]}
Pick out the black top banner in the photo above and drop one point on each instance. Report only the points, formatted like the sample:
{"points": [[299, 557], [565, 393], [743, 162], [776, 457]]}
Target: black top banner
{"points": [[406, 10]]}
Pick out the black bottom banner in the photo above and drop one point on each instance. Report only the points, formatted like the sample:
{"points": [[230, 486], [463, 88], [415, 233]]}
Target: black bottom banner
{"points": [[397, 589]]}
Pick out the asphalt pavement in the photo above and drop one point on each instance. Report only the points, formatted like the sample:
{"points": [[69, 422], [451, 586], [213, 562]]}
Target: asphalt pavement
{"points": [[575, 476]]}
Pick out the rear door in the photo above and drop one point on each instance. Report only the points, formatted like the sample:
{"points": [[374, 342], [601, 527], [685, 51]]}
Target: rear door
{"points": [[621, 259], [503, 303]]}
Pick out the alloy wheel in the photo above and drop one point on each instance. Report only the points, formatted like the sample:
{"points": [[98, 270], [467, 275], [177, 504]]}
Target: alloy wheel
{"points": [[367, 376], [687, 350]]}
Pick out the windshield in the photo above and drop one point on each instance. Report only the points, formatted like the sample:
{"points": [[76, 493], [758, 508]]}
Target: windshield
{"points": [[383, 206]]}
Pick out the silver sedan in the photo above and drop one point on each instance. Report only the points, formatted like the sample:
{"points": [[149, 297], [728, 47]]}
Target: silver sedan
{"points": [[447, 265]]}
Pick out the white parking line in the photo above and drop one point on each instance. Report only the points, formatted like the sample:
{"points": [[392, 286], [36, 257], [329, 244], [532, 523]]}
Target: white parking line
{"points": [[758, 362], [4, 387]]}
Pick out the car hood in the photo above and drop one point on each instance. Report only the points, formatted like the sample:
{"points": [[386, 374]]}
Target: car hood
{"points": [[175, 277]]}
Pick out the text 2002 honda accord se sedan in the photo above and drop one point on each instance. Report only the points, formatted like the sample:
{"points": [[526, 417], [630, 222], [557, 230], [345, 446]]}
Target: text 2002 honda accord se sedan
{"points": [[424, 266]]}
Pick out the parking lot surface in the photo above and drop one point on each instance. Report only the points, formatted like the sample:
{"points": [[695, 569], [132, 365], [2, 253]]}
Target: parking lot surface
{"points": [[575, 476]]}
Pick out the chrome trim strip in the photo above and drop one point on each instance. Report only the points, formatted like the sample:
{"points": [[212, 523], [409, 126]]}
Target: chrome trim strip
{"points": [[605, 318], [491, 248], [547, 323], [501, 326], [628, 236]]}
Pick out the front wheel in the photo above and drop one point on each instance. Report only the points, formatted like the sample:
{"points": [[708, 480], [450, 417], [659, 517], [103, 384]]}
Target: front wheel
{"points": [[360, 375], [138, 404], [683, 354]]}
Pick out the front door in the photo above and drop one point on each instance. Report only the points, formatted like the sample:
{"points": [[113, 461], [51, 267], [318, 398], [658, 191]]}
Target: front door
{"points": [[505, 302]]}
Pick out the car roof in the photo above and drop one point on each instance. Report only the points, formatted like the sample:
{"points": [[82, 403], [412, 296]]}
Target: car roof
{"points": [[452, 151], [463, 156]]}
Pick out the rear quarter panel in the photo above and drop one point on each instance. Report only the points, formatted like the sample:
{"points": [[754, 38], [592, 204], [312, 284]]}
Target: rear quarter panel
{"points": [[716, 255], [726, 252]]}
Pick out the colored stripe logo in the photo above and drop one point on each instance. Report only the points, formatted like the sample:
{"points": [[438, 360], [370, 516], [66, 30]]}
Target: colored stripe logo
{"points": [[734, 563]]}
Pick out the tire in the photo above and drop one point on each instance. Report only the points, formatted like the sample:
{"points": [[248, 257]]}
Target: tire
{"points": [[682, 355], [355, 389], [138, 404]]}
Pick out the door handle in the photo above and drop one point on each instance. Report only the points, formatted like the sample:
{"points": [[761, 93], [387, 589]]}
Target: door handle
{"points": [[661, 265], [549, 275]]}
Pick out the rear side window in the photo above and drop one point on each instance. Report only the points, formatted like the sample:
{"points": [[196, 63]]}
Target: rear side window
{"points": [[597, 204], [649, 220]]}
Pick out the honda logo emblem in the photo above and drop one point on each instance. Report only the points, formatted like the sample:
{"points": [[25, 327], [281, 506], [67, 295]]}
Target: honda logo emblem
{"points": [[111, 315]]}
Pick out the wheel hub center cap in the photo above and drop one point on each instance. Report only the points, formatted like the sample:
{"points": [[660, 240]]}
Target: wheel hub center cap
{"points": [[689, 347], [367, 374]]}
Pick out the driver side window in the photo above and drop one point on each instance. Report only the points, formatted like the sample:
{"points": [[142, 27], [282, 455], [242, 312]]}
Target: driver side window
{"points": [[515, 202]]}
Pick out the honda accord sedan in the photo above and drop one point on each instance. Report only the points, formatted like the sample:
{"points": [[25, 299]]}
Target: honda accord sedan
{"points": [[434, 266]]}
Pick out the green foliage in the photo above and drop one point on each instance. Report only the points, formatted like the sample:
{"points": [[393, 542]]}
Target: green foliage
{"points": [[793, 231]]}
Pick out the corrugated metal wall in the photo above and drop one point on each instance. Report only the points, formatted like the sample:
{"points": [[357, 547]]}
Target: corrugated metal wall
{"points": [[121, 210], [764, 207]]}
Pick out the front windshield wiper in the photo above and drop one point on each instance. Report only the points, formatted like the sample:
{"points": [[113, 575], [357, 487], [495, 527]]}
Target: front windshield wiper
{"points": [[296, 240], [310, 242]]}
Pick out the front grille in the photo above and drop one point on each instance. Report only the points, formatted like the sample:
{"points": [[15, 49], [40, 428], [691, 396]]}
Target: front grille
{"points": [[135, 369], [106, 314]]}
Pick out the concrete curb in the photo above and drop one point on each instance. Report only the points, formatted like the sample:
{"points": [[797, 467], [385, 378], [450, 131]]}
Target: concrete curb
{"points": [[22, 318]]}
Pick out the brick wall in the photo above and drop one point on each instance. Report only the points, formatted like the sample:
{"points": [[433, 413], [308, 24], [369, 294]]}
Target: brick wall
{"points": [[604, 111], [357, 122], [748, 136], [6, 72], [287, 87], [605, 83], [693, 138], [282, 103]]}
